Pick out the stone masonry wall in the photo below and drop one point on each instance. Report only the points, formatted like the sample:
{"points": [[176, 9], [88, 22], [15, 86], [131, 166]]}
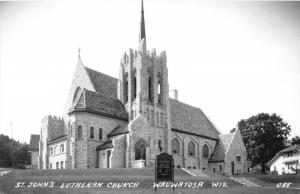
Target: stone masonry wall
{"points": [[85, 152], [183, 159], [52, 127], [236, 148], [118, 152]]}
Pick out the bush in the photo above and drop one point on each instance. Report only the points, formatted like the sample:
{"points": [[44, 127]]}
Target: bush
{"points": [[274, 172]]}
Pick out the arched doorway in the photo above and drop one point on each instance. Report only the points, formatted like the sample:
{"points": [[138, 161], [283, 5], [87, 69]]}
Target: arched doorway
{"points": [[140, 149]]}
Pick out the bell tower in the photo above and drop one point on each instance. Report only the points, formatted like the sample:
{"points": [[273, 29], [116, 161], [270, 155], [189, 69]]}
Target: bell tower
{"points": [[143, 85], [144, 90]]}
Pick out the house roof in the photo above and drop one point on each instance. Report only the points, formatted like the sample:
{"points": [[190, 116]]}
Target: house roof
{"points": [[105, 146], [192, 119], [118, 131], [293, 148], [34, 142], [98, 103], [103, 84]]}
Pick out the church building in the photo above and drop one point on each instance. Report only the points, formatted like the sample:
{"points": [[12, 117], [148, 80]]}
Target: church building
{"points": [[125, 122]]}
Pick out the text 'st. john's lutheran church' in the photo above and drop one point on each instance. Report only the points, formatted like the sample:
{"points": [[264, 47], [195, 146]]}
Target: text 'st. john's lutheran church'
{"points": [[126, 122]]}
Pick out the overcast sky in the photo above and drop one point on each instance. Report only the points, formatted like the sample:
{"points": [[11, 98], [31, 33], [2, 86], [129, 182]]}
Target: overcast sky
{"points": [[231, 59]]}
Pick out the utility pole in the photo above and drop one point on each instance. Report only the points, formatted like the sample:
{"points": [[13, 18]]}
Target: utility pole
{"points": [[11, 130]]}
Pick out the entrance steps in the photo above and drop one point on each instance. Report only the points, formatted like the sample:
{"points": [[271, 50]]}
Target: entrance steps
{"points": [[195, 172], [245, 181]]}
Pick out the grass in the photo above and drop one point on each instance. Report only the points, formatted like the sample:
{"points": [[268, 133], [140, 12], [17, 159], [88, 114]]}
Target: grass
{"points": [[145, 178], [269, 180]]}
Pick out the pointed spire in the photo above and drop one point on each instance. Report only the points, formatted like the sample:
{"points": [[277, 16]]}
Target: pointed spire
{"points": [[142, 24], [142, 38]]}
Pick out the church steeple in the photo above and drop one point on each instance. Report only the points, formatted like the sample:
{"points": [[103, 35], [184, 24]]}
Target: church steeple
{"points": [[142, 38]]}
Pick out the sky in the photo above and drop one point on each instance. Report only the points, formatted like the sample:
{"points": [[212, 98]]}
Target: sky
{"points": [[231, 59]]}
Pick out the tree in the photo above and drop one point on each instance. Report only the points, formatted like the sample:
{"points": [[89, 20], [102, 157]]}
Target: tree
{"points": [[295, 140], [264, 135], [13, 153], [4, 151]]}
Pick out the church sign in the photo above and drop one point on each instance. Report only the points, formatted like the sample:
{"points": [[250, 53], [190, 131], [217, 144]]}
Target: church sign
{"points": [[164, 168]]}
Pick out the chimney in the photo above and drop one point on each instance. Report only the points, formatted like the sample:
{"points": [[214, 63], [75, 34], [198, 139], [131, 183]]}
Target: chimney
{"points": [[174, 94]]}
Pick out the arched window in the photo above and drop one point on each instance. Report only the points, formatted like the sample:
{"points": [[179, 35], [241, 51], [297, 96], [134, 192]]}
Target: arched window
{"points": [[79, 131], [159, 92], [148, 115], [55, 150], [161, 119], [92, 132], [152, 116], [191, 148], [62, 148], [175, 146], [76, 93], [158, 87], [159, 145], [51, 151], [149, 89], [140, 150], [134, 88], [205, 151], [100, 134], [126, 92]]}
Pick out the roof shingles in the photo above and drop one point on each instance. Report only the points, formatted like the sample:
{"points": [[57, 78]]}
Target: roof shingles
{"points": [[118, 131], [221, 147], [188, 118], [98, 103], [183, 116], [102, 83]]}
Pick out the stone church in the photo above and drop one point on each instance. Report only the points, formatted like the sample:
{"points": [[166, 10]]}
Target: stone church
{"points": [[126, 122]]}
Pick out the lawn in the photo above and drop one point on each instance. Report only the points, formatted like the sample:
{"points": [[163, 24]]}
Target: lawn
{"points": [[269, 180], [144, 178]]}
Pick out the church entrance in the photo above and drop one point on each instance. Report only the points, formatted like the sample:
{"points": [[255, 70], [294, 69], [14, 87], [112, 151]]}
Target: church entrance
{"points": [[232, 167], [140, 154], [140, 150]]}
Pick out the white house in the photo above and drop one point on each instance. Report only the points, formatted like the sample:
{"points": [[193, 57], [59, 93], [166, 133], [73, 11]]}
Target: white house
{"points": [[286, 161]]}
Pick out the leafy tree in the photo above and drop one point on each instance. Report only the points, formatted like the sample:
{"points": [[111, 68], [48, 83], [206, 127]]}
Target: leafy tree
{"points": [[4, 151], [13, 153], [264, 135], [295, 140]]}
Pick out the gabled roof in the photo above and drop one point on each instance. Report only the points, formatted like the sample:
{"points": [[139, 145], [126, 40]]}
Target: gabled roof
{"points": [[119, 130], [105, 146], [34, 142], [293, 148], [218, 154], [102, 83], [98, 103], [192, 119], [226, 139], [222, 146]]}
